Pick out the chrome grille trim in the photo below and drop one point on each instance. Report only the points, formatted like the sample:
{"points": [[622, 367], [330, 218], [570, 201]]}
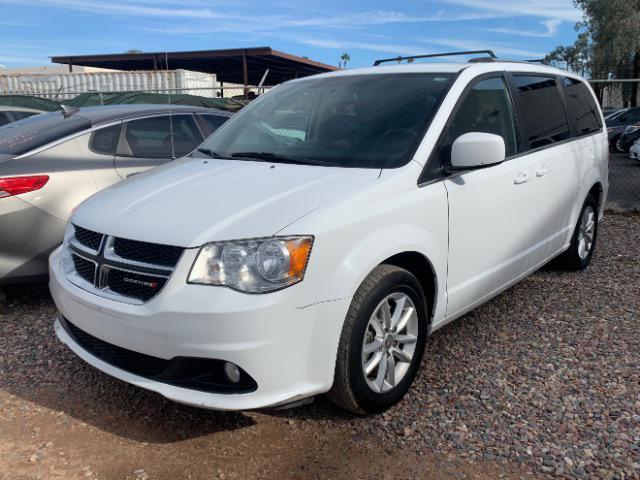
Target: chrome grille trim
{"points": [[105, 260], [110, 254], [75, 277]]}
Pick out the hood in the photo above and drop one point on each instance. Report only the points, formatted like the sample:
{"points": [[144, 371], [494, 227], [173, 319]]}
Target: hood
{"points": [[193, 201]]}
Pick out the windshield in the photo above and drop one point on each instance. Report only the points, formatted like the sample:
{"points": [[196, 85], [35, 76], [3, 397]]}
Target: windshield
{"points": [[24, 135], [364, 121]]}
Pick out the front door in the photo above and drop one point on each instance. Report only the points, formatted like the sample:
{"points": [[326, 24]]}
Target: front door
{"points": [[493, 220]]}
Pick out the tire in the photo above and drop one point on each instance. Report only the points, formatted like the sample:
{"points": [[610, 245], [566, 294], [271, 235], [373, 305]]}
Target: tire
{"points": [[353, 389], [574, 258]]}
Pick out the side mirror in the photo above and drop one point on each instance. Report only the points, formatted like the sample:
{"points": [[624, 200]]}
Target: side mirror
{"points": [[476, 150]]}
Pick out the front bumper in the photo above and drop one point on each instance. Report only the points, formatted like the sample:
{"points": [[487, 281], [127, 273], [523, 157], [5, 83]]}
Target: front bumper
{"points": [[288, 349]]}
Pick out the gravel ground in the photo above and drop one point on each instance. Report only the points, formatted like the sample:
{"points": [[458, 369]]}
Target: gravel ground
{"points": [[543, 381], [624, 178]]}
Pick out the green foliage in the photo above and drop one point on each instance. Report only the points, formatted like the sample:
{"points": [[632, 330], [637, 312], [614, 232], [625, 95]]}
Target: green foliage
{"points": [[344, 59], [608, 44]]}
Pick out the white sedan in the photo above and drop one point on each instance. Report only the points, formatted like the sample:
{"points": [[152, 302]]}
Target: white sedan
{"points": [[634, 151]]}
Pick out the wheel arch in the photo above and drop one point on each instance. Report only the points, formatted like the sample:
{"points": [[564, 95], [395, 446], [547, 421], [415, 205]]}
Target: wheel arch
{"points": [[597, 191], [421, 267]]}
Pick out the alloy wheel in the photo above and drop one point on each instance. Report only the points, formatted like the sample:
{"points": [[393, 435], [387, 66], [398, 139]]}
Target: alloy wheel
{"points": [[389, 342], [586, 232]]}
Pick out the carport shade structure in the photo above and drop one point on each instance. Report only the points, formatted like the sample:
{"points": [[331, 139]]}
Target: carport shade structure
{"points": [[245, 66]]}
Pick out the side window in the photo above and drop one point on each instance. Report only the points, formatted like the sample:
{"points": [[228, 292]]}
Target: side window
{"points": [[186, 135], [4, 118], [581, 106], [152, 137], [487, 108], [105, 140], [543, 114], [213, 122], [632, 115]]}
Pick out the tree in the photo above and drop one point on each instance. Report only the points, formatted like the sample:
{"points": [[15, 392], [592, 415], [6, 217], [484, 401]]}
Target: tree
{"points": [[344, 58], [133, 51], [575, 57], [608, 44]]}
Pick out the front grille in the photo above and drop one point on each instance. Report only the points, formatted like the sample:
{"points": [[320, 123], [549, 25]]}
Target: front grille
{"points": [[88, 238], [202, 374], [120, 269], [134, 285], [152, 253], [86, 269]]}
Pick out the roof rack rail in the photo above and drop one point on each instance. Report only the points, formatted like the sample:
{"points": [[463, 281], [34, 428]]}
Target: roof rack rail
{"points": [[434, 55], [496, 59]]}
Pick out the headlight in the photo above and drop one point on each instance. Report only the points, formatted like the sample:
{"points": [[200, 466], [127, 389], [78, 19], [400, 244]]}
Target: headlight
{"points": [[631, 129], [253, 266]]}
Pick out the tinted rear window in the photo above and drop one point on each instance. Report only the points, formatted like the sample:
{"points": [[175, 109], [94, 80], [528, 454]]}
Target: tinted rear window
{"points": [[581, 106], [105, 140], [19, 115], [213, 122], [25, 135], [542, 109]]}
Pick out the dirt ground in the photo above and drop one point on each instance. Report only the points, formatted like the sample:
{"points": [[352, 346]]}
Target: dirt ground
{"points": [[182, 443]]}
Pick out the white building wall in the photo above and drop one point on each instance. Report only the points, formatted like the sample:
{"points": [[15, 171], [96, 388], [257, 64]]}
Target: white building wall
{"points": [[68, 85]]}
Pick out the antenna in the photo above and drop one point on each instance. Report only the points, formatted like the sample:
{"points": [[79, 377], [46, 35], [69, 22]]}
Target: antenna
{"points": [[67, 111]]}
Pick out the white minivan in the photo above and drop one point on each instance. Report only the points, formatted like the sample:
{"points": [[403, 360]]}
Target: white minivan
{"points": [[321, 235]]}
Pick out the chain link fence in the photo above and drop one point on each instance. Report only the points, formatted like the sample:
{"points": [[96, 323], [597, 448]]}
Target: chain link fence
{"points": [[621, 96]]}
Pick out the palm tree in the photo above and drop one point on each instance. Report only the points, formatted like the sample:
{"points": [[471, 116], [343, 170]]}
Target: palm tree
{"points": [[344, 58]]}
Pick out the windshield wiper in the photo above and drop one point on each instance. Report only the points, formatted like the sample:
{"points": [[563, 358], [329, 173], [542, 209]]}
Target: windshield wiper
{"points": [[210, 153], [274, 157]]}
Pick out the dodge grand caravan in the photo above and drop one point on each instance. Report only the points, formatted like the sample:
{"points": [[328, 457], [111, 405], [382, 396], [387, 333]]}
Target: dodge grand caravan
{"points": [[321, 235]]}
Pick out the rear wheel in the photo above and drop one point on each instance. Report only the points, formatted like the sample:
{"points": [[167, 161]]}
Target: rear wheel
{"points": [[382, 341], [583, 242]]}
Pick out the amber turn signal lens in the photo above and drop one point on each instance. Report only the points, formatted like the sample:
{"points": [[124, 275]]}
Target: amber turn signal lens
{"points": [[299, 250]]}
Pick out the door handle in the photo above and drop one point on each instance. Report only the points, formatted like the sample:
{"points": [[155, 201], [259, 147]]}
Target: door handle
{"points": [[543, 170], [521, 177]]}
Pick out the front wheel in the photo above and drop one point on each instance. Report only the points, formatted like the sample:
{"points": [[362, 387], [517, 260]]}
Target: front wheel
{"points": [[583, 241], [382, 342]]}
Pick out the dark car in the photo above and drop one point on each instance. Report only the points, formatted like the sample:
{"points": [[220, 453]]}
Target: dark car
{"points": [[51, 162], [629, 136], [617, 124]]}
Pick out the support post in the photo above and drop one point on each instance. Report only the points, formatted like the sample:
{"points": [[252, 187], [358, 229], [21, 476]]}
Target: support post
{"points": [[245, 74]]}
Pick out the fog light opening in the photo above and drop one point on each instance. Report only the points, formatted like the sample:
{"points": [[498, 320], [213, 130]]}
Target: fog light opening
{"points": [[232, 372]]}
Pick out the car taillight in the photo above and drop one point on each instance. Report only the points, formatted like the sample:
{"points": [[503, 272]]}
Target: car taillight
{"points": [[16, 185]]}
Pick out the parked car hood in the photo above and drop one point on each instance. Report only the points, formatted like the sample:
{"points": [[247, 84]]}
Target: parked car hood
{"points": [[195, 201]]}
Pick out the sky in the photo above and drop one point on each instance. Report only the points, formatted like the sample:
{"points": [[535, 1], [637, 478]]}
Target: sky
{"points": [[33, 30]]}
